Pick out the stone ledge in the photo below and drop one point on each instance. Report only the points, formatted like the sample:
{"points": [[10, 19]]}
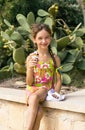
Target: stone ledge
{"points": [[74, 101], [14, 95]]}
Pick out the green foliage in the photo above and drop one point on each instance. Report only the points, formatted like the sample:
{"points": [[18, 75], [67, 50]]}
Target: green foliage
{"points": [[20, 68], [66, 42], [84, 1], [23, 22], [5, 72], [67, 9], [19, 55], [10, 8], [66, 79]]}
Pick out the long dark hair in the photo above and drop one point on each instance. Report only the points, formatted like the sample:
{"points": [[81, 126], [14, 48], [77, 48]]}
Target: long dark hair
{"points": [[52, 55]]}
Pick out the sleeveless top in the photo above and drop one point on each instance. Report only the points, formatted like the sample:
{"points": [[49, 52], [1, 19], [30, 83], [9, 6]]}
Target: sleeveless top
{"points": [[43, 75]]}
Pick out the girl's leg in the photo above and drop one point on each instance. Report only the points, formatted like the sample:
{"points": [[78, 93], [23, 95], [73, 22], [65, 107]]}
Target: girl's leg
{"points": [[33, 106], [38, 119]]}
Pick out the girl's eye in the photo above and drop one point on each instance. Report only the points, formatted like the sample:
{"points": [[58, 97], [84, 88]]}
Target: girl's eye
{"points": [[39, 38], [48, 37]]}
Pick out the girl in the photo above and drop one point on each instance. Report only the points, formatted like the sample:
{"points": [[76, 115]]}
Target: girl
{"points": [[39, 74]]}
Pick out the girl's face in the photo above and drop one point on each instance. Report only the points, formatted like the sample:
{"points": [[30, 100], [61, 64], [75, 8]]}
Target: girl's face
{"points": [[43, 39]]}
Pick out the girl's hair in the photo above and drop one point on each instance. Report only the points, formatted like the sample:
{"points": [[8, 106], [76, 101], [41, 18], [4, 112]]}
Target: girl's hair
{"points": [[35, 28], [52, 55]]}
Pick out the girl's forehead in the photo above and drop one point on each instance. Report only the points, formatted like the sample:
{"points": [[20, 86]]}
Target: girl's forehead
{"points": [[42, 32]]}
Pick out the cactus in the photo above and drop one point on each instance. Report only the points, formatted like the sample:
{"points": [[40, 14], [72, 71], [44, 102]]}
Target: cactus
{"points": [[53, 10], [15, 36], [19, 56], [65, 79], [80, 32], [43, 13], [22, 31], [49, 22], [54, 46], [72, 56], [81, 64], [5, 72], [67, 67], [23, 22], [30, 18], [7, 23], [5, 36], [62, 54], [69, 47], [63, 42], [78, 43], [21, 69]]}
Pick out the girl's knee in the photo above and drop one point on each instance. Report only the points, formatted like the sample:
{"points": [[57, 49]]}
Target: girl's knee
{"points": [[33, 99]]}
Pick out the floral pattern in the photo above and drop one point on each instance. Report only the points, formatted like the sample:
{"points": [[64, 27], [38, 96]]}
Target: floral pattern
{"points": [[43, 74]]}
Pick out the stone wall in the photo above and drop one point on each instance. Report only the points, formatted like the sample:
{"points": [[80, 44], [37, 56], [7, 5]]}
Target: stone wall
{"points": [[63, 115]]}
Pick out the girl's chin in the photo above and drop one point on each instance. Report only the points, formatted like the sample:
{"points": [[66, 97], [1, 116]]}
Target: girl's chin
{"points": [[44, 46]]}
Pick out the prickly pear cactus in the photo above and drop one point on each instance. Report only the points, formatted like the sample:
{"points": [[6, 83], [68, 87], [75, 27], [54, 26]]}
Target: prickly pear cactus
{"points": [[5, 72], [53, 10], [19, 68], [19, 55], [65, 79], [16, 36]]}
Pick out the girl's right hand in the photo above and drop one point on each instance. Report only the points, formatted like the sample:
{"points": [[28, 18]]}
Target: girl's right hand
{"points": [[32, 61]]}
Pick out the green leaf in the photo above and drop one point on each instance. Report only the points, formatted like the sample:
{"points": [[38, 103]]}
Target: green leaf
{"points": [[42, 13], [21, 69], [81, 64], [80, 32], [49, 22], [76, 28], [62, 54], [23, 22], [30, 18], [38, 20], [78, 42], [7, 23], [19, 55], [67, 67], [1, 44], [16, 36], [54, 46], [63, 42], [66, 79], [5, 35], [72, 55]]}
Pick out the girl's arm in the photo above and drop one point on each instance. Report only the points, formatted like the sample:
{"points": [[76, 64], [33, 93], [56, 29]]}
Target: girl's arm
{"points": [[58, 83], [29, 71], [31, 62]]}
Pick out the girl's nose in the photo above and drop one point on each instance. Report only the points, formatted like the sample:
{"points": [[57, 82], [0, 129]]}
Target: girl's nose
{"points": [[43, 40]]}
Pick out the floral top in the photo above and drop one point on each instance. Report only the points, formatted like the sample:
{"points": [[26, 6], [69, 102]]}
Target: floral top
{"points": [[43, 74]]}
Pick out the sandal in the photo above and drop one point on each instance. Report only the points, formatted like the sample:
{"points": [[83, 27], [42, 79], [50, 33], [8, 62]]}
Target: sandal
{"points": [[54, 96]]}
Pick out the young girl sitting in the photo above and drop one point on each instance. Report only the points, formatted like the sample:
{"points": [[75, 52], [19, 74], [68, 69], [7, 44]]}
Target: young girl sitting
{"points": [[40, 68]]}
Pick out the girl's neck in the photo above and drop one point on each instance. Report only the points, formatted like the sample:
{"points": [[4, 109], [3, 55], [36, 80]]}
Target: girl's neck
{"points": [[43, 52]]}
